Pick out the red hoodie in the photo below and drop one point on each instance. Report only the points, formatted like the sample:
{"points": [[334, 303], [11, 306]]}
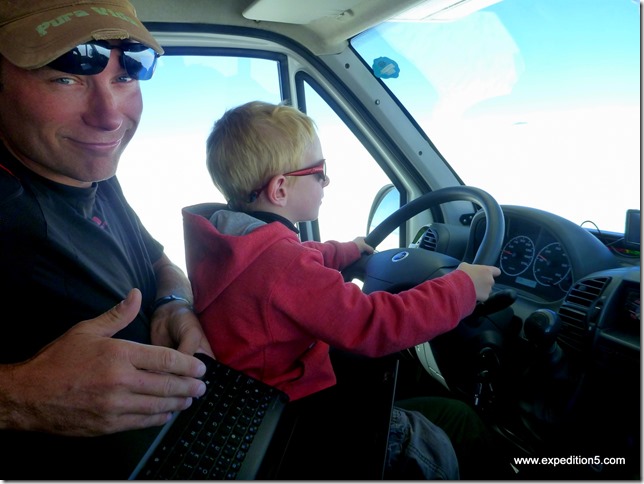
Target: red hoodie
{"points": [[271, 305]]}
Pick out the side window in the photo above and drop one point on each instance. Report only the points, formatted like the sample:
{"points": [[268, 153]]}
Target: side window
{"points": [[164, 167], [355, 176]]}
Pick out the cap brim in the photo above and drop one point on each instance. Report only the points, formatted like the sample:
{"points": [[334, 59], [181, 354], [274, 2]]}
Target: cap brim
{"points": [[37, 40]]}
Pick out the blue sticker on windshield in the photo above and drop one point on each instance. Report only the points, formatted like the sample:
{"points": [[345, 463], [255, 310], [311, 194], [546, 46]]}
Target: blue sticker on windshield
{"points": [[385, 68]]}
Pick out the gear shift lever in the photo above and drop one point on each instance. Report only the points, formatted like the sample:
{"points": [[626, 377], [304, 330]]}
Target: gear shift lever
{"points": [[548, 391], [541, 329]]}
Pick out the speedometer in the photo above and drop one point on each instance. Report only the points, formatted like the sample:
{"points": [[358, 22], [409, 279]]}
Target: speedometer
{"points": [[517, 255], [551, 265]]}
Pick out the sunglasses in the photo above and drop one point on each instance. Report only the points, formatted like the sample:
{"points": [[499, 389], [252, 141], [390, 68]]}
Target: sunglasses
{"points": [[138, 60], [319, 169]]}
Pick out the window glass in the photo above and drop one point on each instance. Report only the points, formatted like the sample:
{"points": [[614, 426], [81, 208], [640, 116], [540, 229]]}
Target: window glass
{"points": [[535, 101], [164, 167], [355, 177]]}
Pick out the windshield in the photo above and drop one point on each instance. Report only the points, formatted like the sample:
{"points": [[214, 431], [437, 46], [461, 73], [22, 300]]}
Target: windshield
{"points": [[535, 101]]}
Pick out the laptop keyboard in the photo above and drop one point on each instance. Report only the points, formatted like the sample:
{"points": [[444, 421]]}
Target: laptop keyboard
{"points": [[223, 435]]}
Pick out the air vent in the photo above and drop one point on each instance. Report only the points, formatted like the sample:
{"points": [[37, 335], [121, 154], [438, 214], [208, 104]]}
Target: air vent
{"points": [[586, 292], [576, 310], [429, 240]]}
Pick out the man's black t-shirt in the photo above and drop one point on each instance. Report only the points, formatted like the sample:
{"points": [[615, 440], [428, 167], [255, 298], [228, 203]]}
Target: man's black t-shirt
{"points": [[67, 254]]}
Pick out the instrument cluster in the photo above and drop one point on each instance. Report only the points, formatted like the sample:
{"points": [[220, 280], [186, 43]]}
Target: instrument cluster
{"points": [[533, 260]]}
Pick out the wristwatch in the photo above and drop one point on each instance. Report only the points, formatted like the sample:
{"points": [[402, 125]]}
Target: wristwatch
{"points": [[168, 299]]}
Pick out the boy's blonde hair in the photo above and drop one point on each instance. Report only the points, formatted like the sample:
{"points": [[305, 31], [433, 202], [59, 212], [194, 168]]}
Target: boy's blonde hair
{"points": [[254, 142]]}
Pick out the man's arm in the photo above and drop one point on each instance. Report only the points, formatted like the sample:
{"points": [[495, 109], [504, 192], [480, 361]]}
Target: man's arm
{"points": [[174, 324], [171, 280]]}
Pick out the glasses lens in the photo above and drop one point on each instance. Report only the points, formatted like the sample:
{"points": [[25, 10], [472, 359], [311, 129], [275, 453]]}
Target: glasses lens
{"points": [[321, 175], [320, 171], [84, 59], [139, 61]]}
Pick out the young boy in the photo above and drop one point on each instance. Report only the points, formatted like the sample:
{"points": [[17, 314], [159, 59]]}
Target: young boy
{"points": [[272, 306]]}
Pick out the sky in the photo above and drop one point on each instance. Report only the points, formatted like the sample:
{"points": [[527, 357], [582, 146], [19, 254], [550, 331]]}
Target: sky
{"points": [[536, 101]]}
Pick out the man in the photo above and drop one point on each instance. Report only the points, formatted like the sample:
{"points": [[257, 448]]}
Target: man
{"points": [[97, 352]]}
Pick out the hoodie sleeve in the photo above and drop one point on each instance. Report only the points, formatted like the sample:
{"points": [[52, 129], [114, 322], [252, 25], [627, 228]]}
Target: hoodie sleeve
{"points": [[318, 300], [337, 255]]}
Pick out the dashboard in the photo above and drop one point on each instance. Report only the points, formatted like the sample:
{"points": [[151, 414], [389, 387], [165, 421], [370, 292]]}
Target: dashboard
{"points": [[553, 263], [543, 254], [582, 388]]}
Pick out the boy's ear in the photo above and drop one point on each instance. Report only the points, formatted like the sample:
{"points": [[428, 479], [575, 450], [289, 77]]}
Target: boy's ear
{"points": [[276, 191]]}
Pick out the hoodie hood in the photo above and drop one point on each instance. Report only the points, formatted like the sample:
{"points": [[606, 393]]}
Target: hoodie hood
{"points": [[228, 222], [225, 243]]}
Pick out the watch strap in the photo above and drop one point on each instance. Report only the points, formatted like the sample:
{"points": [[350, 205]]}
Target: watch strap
{"points": [[168, 299]]}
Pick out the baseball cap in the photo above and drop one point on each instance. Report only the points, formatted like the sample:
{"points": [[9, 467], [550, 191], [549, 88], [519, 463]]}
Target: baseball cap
{"points": [[35, 32]]}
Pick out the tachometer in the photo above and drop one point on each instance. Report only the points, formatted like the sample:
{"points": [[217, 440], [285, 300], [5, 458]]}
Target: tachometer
{"points": [[551, 265], [517, 255]]}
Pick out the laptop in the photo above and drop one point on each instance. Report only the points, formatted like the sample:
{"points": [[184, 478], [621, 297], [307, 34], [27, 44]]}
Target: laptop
{"points": [[253, 432], [223, 435]]}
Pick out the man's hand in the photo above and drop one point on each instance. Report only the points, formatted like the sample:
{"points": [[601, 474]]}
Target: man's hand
{"points": [[86, 383], [175, 325]]}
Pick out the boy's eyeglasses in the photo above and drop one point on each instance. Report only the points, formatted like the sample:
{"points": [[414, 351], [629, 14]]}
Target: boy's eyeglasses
{"points": [[319, 169], [138, 60]]}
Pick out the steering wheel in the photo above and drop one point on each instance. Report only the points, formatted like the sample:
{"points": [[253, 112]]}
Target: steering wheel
{"points": [[395, 270]]}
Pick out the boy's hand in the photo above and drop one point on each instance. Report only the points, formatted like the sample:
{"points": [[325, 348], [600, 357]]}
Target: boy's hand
{"points": [[363, 246], [482, 277]]}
